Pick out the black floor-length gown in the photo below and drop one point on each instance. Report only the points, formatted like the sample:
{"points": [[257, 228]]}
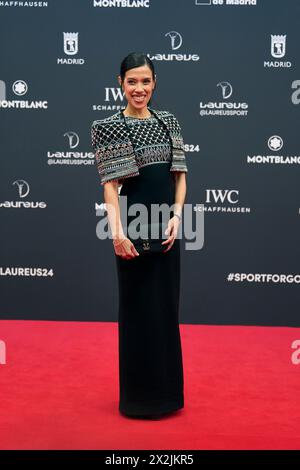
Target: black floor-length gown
{"points": [[150, 356]]}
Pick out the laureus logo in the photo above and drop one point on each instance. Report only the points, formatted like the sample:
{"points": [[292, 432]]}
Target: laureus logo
{"points": [[23, 190], [176, 39], [224, 107], [226, 89], [23, 187], [176, 42], [70, 156], [73, 139]]}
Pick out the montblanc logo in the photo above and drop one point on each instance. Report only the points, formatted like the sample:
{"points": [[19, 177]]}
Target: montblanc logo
{"points": [[278, 51], [19, 88], [275, 144], [245, 3], [113, 100], [122, 3], [71, 156], [176, 41], [70, 45], [224, 108], [222, 201], [23, 190]]}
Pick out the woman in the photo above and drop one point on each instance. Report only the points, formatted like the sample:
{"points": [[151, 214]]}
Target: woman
{"points": [[142, 150]]}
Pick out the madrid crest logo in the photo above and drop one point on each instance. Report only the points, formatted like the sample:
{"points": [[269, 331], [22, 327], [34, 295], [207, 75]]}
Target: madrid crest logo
{"points": [[278, 46], [71, 43]]}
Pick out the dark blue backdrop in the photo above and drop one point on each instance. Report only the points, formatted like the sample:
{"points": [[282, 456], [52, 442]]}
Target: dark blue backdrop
{"points": [[230, 73]]}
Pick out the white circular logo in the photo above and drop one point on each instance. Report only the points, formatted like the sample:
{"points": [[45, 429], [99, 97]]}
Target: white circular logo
{"points": [[19, 87], [275, 143]]}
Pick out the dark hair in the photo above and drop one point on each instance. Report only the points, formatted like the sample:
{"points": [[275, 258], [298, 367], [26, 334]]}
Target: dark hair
{"points": [[136, 59]]}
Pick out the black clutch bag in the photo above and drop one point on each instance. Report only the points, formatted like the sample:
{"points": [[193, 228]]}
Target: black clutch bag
{"points": [[150, 238]]}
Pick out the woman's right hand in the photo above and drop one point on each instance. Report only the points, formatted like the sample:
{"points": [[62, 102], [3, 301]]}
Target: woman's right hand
{"points": [[125, 248]]}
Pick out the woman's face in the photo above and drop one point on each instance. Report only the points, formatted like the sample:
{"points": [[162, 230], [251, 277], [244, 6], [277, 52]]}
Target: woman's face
{"points": [[138, 86]]}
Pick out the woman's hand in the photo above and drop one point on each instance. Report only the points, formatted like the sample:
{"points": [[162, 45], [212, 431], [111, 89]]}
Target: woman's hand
{"points": [[125, 248], [172, 231]]}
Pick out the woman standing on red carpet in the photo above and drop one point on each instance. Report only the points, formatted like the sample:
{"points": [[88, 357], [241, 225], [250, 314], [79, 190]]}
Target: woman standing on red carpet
{"points": [[141, 149]]}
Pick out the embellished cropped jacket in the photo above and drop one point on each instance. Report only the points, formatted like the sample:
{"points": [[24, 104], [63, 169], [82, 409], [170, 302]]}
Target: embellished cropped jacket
{"points": [[114, 154]]}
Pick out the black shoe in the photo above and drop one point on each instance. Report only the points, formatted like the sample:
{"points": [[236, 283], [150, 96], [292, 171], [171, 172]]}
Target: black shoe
{"points": [[150, 416]]}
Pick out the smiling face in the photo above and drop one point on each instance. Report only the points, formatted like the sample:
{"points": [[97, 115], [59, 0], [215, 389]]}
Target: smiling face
{"points": [[138, 87]]}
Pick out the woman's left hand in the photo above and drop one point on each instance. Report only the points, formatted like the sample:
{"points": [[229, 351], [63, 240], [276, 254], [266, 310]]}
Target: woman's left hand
{"points": [[172, 231]]}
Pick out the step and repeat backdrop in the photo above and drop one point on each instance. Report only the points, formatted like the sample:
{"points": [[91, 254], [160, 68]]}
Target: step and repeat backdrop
{"points": [[229, 71]]}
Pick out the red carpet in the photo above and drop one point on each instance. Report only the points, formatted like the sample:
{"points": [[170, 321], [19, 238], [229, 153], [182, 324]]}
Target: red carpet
{"points": [[59, 389]]}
